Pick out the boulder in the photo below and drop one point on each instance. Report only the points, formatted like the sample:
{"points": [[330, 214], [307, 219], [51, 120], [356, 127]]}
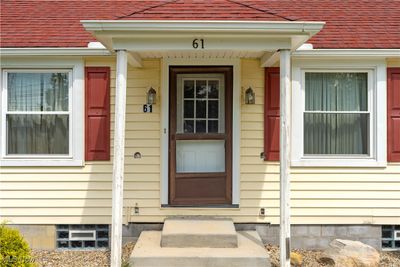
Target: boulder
{"points": [[348, 253]]}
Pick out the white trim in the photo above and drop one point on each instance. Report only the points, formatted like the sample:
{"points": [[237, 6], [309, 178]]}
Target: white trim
{"points": [[54, 51], [376, 70], [235, 120], [268, 59], [347, 53], [76, 69]]}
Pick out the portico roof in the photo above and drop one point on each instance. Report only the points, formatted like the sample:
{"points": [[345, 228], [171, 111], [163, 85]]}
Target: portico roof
{"points": [[156, 38]]}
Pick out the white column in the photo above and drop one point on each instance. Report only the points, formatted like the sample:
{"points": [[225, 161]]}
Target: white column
{"points": [[118, 165], [284, 157]]}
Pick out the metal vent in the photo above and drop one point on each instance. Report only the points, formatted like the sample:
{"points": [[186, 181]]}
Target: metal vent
{"points": [[82, 236]]}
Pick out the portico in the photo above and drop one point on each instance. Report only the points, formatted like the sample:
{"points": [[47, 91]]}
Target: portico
{"points": [[201, 43]]}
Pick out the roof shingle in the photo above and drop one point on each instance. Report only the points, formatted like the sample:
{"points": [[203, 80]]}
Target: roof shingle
{"points": [[349, 24]]}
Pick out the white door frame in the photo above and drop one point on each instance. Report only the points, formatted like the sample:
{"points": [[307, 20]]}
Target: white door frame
{"points": [[164, 92]]}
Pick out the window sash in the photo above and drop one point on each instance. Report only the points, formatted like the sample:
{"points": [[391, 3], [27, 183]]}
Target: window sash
{"points": [[370, 105], [6, 112]]}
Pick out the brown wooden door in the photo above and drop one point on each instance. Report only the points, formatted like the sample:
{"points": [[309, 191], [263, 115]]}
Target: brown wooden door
{"points": [[200, 134]]}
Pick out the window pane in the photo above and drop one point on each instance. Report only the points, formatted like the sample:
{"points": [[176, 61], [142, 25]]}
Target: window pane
{"points": [[37, 134], [201, 89], [336, 91], [201, 126], [200, 109], [200, 156], [37, 91], [336, 133], [213, 126], [188, 126], [213, 89], [213, 109], [188, 109], [188, 89]]}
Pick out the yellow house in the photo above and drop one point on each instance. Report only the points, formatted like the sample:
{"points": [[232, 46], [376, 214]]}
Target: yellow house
{"points": [[180, 105]]}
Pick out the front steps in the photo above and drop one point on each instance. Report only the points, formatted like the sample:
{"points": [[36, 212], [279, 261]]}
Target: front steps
{"points": [[200, 232], [199, 243]]}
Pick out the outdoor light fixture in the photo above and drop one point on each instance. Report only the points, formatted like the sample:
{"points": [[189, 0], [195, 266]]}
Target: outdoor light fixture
{"points": [[250, 97], [151, 96]]}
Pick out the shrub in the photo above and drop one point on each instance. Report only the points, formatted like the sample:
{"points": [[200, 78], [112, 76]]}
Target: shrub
{"points": [[14, 250]]}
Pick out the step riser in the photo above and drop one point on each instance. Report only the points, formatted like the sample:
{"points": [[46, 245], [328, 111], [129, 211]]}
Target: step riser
{"points": [[204, 262], [199, 233], [196, 241]]}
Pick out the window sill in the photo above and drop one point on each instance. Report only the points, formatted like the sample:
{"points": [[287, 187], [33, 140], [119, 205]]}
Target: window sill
{"points": [[342, 162], [41, 162]]}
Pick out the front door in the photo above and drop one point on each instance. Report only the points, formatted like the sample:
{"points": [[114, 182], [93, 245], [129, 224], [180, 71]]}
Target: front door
{"points": [[200, 146]]}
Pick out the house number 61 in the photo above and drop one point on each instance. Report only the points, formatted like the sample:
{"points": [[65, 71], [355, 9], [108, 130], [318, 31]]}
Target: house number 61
{"points": [[198, 43]]}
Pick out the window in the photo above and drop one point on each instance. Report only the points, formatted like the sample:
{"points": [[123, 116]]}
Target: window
{"points": [[391, 237], [336, 116], [82, 236], [41, 115], [37, 113], [336, 113]]}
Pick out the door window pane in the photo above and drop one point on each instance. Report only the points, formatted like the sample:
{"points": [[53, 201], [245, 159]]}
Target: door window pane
{"points": [[188, 126], [201, 111], [200, 156], [213, 126], [201, 126], [213, 89], [201, 89], [188, 89], [188, 109], [213, 109]]}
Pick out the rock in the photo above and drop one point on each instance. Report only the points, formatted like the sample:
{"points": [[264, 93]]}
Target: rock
{"points": [[296, 259], [348, 253]]}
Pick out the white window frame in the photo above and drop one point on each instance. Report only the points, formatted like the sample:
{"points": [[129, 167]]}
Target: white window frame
{"points": [[75, 70], [376, 71]]}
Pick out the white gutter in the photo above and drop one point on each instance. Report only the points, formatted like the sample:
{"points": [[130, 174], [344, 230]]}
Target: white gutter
{"points": [[348, 53], [54, 51], [302, 27]]}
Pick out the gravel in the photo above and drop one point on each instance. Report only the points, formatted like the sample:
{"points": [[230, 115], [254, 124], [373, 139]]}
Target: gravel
{"points": [[100, 258]]}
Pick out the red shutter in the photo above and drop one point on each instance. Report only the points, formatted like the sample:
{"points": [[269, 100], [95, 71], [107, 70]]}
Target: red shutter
{"points": [[271, 114], [393, 102], [97, 121]]}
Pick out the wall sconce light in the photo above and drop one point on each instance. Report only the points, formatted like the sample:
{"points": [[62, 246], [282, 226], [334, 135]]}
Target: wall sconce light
{"points": [[151, 96], [249, 97]]}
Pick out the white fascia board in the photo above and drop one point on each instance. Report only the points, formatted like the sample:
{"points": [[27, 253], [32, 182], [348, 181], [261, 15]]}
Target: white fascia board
{"points": [[54, 51], [347, 53], [204, 26]]}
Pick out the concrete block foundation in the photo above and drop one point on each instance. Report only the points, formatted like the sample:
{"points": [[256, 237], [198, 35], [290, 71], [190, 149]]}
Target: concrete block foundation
{"points": [[303, 236]]}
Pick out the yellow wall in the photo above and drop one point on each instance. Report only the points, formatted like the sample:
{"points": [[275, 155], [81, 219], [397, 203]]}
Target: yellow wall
{"points": [[83, 195]]}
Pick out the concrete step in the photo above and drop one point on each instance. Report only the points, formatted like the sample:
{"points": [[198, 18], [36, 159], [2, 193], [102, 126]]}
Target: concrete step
{"points": [[149, 253], [199, 232]]}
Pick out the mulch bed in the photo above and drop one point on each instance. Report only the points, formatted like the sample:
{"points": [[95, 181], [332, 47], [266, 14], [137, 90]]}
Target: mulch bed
{"points": [[100, 258]]}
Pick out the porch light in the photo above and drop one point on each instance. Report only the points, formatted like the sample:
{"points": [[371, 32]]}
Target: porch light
{"points": [[151, 96], [250, 97]]}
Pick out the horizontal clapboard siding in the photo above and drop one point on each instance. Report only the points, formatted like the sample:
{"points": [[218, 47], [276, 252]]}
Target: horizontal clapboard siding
{"points": [[83, 195]]}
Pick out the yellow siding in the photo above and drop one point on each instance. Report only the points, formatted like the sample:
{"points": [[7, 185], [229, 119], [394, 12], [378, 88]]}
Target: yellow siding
{"points": [[83, 194]]}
